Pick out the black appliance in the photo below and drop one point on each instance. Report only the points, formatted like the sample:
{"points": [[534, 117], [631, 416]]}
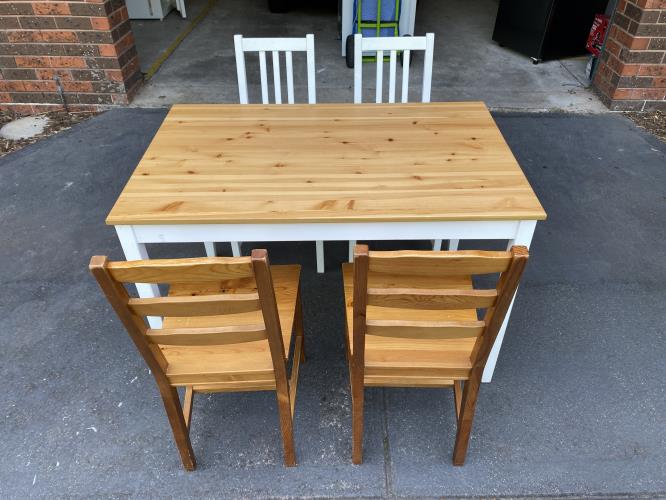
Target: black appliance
{"points": [[546, 29]]}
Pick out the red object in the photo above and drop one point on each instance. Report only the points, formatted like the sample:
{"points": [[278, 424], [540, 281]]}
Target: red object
{"points": [[597, 34]]}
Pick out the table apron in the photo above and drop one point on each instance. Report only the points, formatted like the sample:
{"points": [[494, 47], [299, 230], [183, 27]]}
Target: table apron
{"points": [[329, 231]]}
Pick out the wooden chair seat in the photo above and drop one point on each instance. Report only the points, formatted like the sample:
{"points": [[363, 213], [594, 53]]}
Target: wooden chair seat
{"points": [[245, 366], [412, 362]]}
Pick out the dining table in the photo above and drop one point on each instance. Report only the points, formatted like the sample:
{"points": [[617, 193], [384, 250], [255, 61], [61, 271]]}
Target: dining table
{"points": [[326, 172]]}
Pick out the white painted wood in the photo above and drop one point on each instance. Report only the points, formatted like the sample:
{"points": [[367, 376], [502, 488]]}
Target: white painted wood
{"points": [[312, 87], [210, 248], [319, 244], [134, 250], [352, 244], [264, 77], [437, 245], [289, 69], [380, 76], [275, 46], [427, 67], [329, 231], [392, 64], [406, 44], [453, 244], [523, 236], [406, 57], [236, 248], [240, 69], [358, 69], [277, 82]]}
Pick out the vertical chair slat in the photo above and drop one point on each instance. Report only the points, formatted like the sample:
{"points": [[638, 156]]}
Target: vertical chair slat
{"points": [[380, 76], [289, 69], [240, 69], [405, 76], [310, 49], [276, 77], [358, 68], [264, 77], [392, 65], [427, 67]]}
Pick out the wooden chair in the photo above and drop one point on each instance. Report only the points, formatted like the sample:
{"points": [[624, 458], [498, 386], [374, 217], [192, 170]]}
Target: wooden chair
{"points": [[412, 322], [275, 46], [392, 45], [227, 326]]}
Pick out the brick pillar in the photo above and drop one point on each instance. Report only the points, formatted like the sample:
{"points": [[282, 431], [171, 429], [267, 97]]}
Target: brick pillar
{"points": [[87, 46], [632, 70]]}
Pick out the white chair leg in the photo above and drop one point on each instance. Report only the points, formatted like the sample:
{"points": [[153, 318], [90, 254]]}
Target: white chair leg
{"points": [[437, 245], [453, 244], [319, 246], [352, 244], [236, 248], [210, 248]]}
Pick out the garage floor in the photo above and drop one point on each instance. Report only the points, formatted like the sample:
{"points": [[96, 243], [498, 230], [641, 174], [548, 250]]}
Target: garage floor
{"points": [[468, 64]]}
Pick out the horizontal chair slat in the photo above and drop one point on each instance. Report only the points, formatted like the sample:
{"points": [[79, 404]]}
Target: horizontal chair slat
{"points": [[427, 263], [198, 305], [181, 270], [207, 336], [432, 299], [424, 329]]}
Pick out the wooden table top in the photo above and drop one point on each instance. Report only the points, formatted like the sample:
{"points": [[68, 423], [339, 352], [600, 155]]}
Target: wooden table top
{"points": [[326, 163]]}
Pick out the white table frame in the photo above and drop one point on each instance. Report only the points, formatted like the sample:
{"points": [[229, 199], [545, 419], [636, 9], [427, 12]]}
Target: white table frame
{"points": [[133, 239]]}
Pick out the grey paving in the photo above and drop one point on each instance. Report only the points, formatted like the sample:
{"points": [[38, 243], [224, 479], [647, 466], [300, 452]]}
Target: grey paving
{"points": [[468, 65], [576, 406]]}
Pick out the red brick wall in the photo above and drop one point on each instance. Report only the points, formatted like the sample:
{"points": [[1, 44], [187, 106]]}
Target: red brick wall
{"points": [[88, 45], [632, 70]]}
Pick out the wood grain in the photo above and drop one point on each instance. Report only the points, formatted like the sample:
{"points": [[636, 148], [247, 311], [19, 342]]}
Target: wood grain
{"points": [[256, 163]]}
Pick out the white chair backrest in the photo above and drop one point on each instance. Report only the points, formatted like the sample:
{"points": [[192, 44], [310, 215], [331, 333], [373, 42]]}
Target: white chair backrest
{"points": [[393, 44], [275, 45]]}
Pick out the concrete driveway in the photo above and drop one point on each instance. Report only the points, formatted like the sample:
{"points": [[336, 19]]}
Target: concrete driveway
{"points": [[576, 406]]}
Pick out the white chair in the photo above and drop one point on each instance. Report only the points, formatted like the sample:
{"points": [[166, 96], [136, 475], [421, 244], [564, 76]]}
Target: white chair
{"points": [[275, 46], [393, 45]]}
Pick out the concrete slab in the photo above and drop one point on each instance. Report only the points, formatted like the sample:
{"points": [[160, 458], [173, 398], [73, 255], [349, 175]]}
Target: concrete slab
{"points": [[575, 407], [468, 64], [24, 128]]}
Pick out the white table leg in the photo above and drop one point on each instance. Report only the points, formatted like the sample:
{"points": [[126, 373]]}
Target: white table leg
{"points": [[523, 237], [236, 248], [453, 244], [352, 244], [137, 251], [347, 23], [210, 248], [437, 245], [319, 247]]}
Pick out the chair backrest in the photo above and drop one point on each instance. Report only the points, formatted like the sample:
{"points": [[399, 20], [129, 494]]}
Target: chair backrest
{"points": [[112, 276], [495, 302], [275, 46], [393, 45]]}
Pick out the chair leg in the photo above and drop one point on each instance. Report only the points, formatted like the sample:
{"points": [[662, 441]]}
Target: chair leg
{"points": [[180, 431], [468, 407], [298, 324], [286, 427], [357, 422]]}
